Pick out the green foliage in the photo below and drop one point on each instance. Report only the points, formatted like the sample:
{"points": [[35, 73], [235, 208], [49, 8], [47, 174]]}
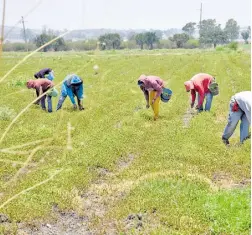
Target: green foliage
{"points": [[18, 46], [189, 28], [165, 44], [232, 30], [140, 40], [130, 44], [110, 41], [191, 44], [82, 45], [245, 35], [150, 39], [220, 48], [233, 45], [180, 39], [211, 33], [58, 45]]}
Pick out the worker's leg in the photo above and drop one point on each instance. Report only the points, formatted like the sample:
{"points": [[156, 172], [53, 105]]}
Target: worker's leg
{"points": [[155, 106], [200, 109], [209, 99], [233, 120], [244, 128], [49, 102], [60, 102], [37, 94], [43, 102]]}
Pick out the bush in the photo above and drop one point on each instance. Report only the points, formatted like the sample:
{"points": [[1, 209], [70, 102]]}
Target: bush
{"points": [[233, 45], [18, 46], [220, 48], [164, 44], [131, 44], [7, 114], [88, 45], [191, 44]]}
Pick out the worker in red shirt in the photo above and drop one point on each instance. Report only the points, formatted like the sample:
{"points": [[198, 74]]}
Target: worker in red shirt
{"points": [[200, 83], [42, 86]]}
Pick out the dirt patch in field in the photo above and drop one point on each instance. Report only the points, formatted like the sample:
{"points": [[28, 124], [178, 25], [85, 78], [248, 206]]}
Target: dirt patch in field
{"points": [[125, 163], [189, 114], [92, 206], [68, 223], [225, 181]]}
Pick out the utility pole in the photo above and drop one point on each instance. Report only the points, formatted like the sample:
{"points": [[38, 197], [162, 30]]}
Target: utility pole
{"points": [[200, 15], [2, 31], [24, 33], [200, 21]]}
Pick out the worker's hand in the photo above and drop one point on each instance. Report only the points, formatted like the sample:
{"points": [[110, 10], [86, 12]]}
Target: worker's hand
{"points": [[152, 102], [192, 104], [147, 106], [74, 106]]}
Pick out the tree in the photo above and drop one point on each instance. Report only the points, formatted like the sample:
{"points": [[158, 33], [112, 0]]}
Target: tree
{"points": [[245, 35], [210, 33], [219, 36], [44, 38], [189, 28], [232, 29], [41, 40], [59, 45], [180, 39], [159, 34], [140, 40], [110, 40], [150, 39]]}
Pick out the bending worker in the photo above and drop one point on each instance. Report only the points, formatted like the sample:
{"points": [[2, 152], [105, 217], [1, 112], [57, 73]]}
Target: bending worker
{"points": [[152, 87], [72, 86]]}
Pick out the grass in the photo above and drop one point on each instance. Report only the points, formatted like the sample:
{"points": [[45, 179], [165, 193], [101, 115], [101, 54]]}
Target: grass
{"points": [[113, 127]]}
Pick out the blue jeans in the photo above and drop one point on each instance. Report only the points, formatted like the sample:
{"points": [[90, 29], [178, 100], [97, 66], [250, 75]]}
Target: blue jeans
{"points": [[61, 101], [49, 102], [233, 119], [209, 99]]}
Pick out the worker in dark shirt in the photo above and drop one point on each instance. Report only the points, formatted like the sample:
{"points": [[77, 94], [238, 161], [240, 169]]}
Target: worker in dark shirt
{"points": [[44, 73]]}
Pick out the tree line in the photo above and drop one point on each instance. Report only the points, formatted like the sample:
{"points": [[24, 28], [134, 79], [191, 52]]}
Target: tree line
{"points": [[210, 34]]}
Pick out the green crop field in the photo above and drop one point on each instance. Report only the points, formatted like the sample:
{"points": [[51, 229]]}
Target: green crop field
{"points": [[111, 169]]}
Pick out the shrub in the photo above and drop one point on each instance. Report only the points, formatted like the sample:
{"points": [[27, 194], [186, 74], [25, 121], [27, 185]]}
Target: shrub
{"points": [[233, 45], [7, 114], [220, 48], [191, 44]]}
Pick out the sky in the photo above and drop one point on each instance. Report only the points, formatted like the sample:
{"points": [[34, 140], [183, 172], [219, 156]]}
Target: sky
{"points": [[120, 14]]}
